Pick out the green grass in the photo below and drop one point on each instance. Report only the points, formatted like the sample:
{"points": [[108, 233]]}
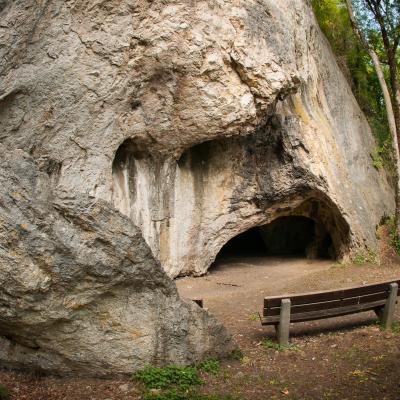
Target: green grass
{"points": [[269, 344], [4, 393], [396, 327]]}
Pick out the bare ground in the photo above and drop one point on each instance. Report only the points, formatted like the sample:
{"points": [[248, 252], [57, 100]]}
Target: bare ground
{"points": [[340, 358], [234, 289]]}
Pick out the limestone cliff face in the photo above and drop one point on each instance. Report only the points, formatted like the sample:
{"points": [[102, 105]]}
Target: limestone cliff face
{"points": [[196, 119]]}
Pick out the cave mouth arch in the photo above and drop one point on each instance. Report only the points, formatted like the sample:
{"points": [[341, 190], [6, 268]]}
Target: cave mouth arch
{"points": [[288, 236]]}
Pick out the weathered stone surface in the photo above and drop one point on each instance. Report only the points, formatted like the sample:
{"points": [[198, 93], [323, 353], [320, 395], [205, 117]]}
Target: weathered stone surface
{"points": [[196, 119], [80, 290]]}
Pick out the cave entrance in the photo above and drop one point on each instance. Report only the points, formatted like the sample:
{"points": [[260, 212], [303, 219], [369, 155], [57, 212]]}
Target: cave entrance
{"points": [[290, 236]]}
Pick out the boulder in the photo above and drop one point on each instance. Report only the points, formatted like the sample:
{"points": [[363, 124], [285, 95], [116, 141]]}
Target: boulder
{"points": [[80, 289]]}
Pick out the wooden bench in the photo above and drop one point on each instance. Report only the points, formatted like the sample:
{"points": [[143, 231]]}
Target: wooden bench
{"points": [[280, 311]]}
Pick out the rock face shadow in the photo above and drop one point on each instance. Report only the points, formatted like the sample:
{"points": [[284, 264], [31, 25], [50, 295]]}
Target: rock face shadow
{"points": [[289, 236]]}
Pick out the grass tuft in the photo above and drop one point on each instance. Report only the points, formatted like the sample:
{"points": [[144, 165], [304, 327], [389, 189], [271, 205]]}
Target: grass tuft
{"points": [[396, 327], [269, 344]]}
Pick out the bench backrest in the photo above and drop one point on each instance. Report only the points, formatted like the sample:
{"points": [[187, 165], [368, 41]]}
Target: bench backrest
{"points": [[319, 301]]}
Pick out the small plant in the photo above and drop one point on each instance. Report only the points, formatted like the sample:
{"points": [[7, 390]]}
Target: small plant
{"points": [[359, 375], [174, 395], [176, 383], [377, 160], [269, 344], [4, 393], [169, 395], [359, 259], [365, 256], [394, 237], [181, 378], [339, 264], [237, 354], [226, 376], [210, 366], [254, 317], [396, 327], [382, 158]]}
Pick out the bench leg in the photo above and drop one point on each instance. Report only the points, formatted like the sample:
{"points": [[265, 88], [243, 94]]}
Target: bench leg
{"points": [[388, 311], [284, 323]]}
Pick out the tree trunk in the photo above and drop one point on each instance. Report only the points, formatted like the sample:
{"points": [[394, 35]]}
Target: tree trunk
{"points": [[395, 93], [389, 107], [391, 57]]}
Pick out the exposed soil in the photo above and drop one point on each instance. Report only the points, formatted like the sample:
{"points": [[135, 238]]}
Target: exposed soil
{"points": [[235, 288], [339, 358]]}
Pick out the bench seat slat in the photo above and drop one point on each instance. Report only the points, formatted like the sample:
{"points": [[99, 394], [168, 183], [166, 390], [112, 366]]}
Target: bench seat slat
{"points": [[326, 313], [318, 297], [301, 308]]}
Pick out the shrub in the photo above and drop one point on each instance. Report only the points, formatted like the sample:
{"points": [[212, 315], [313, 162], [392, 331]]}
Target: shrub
{"points": [[174, 395], [210, 366], [172, 376], [237, 354], [394, 237]]}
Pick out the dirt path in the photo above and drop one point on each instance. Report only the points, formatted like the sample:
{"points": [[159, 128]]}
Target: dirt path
{"points": [[234, 289], [338, 358]]}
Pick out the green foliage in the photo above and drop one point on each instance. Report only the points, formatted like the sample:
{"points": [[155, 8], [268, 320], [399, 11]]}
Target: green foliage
{"points": [[237, 354], [169, 395], [269, 344], [334, 21], [4, 393], [365, 256], [210, 366], [254, 317], [176, 383], [390, 222], [181, 378], [370, 14], [396, 327], [377, 160], [174, 395], [382, 157]]}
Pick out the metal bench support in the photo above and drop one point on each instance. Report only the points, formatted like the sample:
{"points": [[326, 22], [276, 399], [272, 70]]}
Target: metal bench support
{"points": [[388, 311], [284, 323]]}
